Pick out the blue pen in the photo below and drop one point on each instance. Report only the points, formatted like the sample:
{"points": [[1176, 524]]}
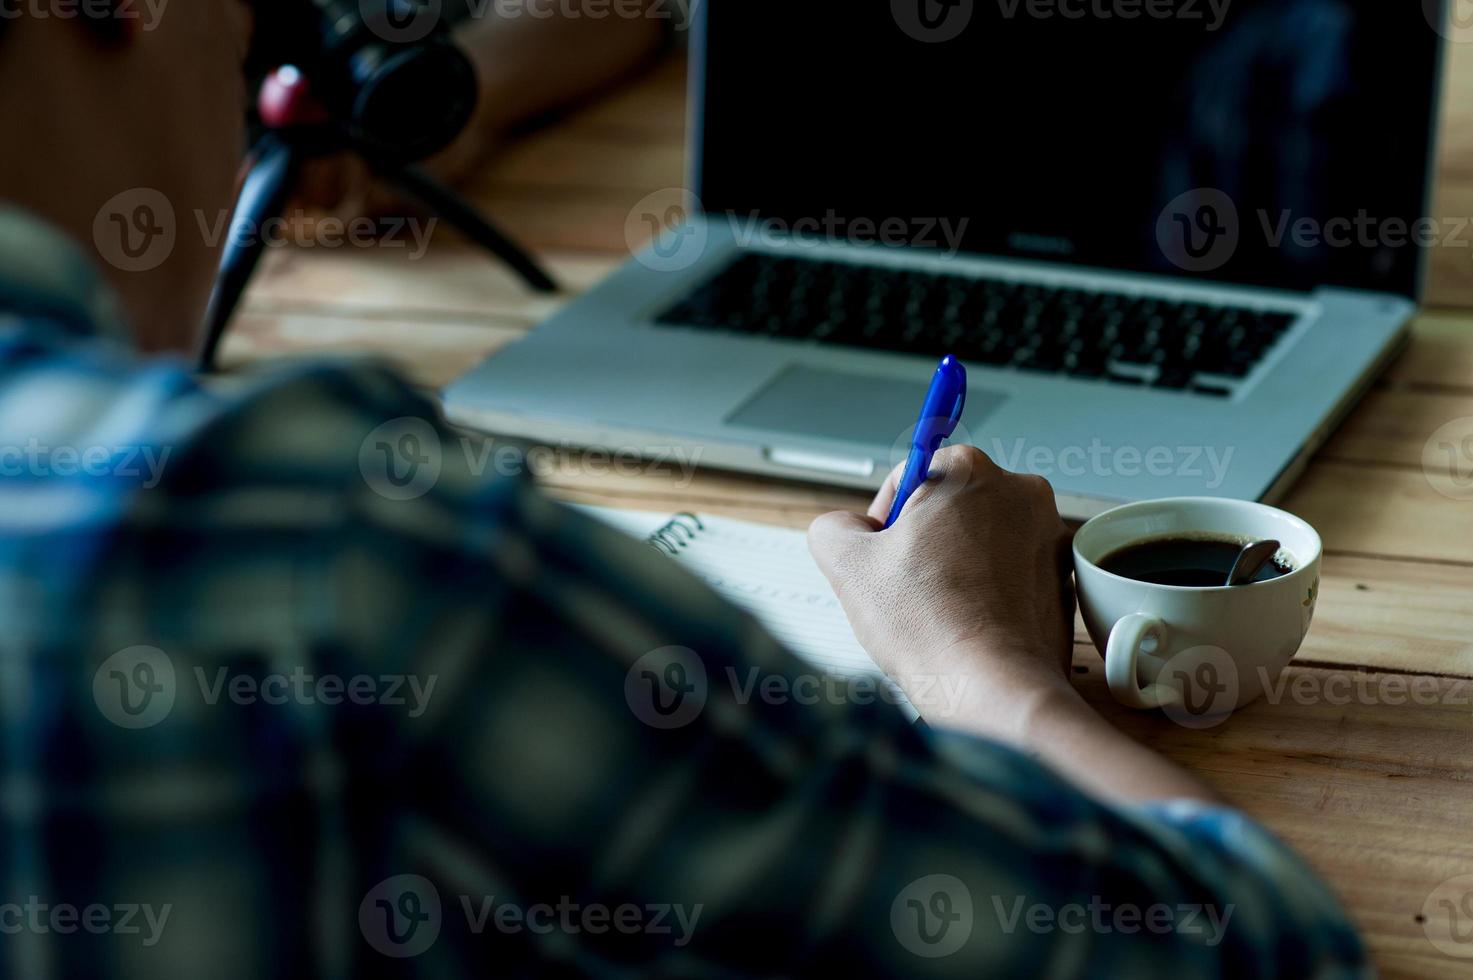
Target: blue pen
{"points": [[940, 414]]}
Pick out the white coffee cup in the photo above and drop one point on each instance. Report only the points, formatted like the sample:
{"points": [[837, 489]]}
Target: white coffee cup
{"points": [[1198, 653]]}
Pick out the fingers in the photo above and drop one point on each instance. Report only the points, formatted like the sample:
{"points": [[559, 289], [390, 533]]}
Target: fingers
{"points": [[879, 508], [957, 467], [832, 536]]}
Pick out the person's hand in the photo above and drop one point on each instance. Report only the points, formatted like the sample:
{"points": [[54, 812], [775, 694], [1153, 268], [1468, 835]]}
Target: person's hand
{"points": [[973, 578]]}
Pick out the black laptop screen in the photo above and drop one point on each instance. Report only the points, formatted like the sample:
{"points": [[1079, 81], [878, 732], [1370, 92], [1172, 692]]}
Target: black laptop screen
{"points": [[1273, 142]]}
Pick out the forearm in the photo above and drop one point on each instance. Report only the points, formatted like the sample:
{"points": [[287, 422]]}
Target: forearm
{"points": [[1033, 708], [539, 60]]}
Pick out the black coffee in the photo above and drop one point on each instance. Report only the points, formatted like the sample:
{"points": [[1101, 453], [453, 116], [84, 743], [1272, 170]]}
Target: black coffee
{"points": [[1191, 561]]}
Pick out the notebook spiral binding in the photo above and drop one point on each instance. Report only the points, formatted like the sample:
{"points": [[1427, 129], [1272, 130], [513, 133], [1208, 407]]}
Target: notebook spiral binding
{"points": [[676, 533]]}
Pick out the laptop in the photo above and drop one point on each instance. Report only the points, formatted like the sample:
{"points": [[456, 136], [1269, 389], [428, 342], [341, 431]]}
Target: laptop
{"points": [[1173, 243]]}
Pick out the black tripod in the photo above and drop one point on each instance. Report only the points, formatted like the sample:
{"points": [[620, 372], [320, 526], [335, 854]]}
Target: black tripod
{"points": [[296, 130]]}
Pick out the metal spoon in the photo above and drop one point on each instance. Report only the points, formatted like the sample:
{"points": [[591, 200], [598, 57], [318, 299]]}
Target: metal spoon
{"points": [[1252, 558]]}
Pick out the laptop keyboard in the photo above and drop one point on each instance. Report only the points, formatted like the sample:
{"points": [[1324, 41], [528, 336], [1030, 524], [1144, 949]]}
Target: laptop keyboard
{"points": [[1117, 337]]}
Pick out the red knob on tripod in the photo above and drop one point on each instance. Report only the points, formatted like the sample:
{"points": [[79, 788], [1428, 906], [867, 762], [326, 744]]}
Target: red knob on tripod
{"points": [[286, 101]]}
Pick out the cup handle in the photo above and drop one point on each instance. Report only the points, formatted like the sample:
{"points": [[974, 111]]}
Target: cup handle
{"points": [[1122, 652]]}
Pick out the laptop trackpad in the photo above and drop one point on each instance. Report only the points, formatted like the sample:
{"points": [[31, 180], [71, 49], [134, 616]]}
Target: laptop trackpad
{"points": [[851, 407]]}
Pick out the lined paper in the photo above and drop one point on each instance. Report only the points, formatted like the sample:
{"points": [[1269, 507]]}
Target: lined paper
{"points": [[768, 572]]}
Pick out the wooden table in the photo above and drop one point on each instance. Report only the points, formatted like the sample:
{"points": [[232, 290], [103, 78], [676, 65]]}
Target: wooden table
{"points": [[1376, 792]]}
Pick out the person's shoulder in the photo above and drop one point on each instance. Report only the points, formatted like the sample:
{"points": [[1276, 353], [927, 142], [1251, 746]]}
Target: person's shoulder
{"points": [[63, 396]]}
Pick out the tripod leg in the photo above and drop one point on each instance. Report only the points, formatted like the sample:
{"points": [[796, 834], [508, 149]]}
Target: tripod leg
{"points": [[438, 199], [263, 196]]}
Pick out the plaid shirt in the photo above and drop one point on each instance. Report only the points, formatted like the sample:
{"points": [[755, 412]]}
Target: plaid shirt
{"points": [[291, 686]]}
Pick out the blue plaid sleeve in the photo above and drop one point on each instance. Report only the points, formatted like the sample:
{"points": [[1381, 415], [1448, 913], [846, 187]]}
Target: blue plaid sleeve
{"points": [[301, 681]]}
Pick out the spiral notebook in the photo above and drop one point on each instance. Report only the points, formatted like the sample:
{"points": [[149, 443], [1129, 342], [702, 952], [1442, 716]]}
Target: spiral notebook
{"points": [[766, 571]]}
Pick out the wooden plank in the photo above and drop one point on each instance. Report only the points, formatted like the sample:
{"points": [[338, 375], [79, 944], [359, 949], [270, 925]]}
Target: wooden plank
{"points": [[1391, 615], [1393, 425], [454, 281], [1451, 281], [1358, 510], [1392, 513], [1441, 352], [652, 106], [601, 222], [428, 353], [574, 159], [1373, 793], [1372, 612]]}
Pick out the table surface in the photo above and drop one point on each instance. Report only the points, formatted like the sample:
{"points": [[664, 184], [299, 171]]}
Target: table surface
{"points": [[1368, 770]]}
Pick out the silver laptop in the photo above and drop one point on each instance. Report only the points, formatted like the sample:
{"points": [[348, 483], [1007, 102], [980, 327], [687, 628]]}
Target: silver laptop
{"points": [[1172, 249]]}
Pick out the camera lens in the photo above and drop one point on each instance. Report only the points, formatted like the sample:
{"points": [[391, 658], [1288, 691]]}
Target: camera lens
{"points": [[386, 70]]}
